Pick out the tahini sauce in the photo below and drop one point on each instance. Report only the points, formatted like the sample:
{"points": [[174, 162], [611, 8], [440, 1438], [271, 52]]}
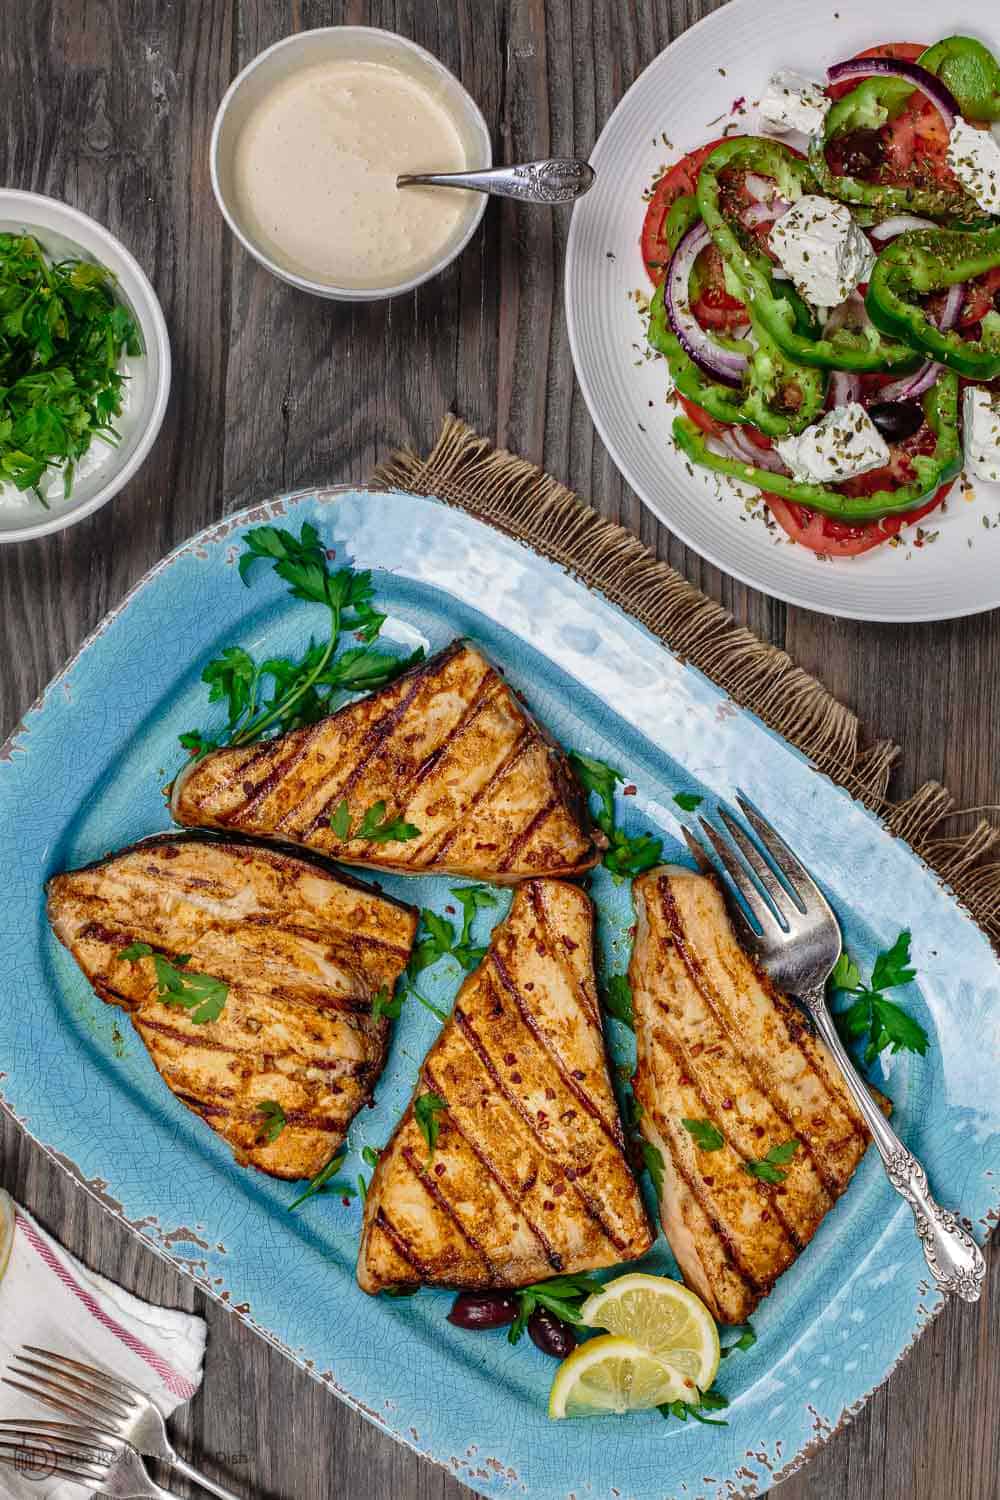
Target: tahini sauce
{"points": [[315, 171]]}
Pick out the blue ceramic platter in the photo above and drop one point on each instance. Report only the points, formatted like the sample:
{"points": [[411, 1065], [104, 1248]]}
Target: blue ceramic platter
{"points": [[82, 775]]}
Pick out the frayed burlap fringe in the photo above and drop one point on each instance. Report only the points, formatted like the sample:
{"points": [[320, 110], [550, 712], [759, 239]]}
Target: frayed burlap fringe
{"points": [[522, 501]]}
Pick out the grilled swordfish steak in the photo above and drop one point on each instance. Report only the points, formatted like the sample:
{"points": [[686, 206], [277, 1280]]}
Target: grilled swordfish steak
{"points": [[302, 953], [717, 1043], [527, 1175], [448, 748]]}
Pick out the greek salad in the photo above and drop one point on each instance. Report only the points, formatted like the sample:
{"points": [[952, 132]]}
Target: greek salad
{"points": [[827, 292]]}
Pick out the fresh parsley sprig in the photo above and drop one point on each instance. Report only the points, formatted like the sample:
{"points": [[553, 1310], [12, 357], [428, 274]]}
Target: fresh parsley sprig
{"points": [[772, 1167], [872, 1012], [201, 994], [273, 1120], [375, 826], [426, 1108], [618, 999], [563, 1296], [302, 690], [712, 1400], [325, 1179], [625, 855]]}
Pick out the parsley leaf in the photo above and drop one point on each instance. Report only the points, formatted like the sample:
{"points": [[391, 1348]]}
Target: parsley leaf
{"points": [[746, 1340], [340, 820], [274, 1120], [705, 1135], [563, 1296], [231, 677], [383, 830], [325, 1178], [384, 1004], [197, 743], [625, 855], [653, 1162], [688, 801], [618, 999], [370, 1155], [426, 1108], [472, 899], [712, 1400], [770, 1168], [871, 1012], [202, 994]]}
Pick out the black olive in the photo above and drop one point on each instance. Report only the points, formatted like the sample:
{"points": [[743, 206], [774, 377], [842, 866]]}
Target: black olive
{"points": [[551, 1334], [897, 420], [482, 1310], [996, 300], [855, 151]]}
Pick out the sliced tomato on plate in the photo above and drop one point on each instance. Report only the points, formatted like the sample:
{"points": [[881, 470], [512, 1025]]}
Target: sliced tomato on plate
{"points": [[678, 182], [981, 296], [901, 51], [830, 538]]}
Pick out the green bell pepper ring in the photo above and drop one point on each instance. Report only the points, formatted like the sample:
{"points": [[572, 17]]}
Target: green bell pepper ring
{"points": [[769, 372], [775, 310], [683, 212], [869, 106], [928, 260], [932, 470], [970, 71]]}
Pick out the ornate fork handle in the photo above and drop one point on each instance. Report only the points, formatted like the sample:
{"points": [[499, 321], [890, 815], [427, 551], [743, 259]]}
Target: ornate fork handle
{"points": [[954, 1259], [559, 179]]}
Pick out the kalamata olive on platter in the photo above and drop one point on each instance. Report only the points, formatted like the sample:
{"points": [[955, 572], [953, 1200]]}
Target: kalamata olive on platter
{"points": [[897, 420], [483, 1310], [551, 1334], [855, 151]]}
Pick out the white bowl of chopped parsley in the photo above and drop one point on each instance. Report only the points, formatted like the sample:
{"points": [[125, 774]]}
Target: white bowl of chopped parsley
{"points": [[84, 365]]}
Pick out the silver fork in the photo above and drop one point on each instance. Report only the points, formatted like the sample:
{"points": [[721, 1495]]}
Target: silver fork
{"points": [[89, 1456], [85, 1393], [796, 938]]}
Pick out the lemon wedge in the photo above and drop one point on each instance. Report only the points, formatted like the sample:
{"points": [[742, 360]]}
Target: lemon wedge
{"points": [[664, 1318], [614, 1374]]}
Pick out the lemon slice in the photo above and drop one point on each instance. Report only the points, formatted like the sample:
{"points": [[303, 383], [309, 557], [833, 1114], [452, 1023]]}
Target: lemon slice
{"points": [[612, 1374], [662, 1317], [6, 1230]]}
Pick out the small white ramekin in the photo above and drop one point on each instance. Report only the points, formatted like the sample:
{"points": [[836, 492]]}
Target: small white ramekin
{"points": [[64, 231], [356, 43]]}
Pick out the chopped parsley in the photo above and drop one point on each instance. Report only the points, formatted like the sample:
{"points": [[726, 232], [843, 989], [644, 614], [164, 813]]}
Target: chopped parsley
{"points": [[273, 1117], [704, 1134], [426, 1108], [375, 825], [618, 999], [653, 1162], [325, 1179], [625, 855], [712, 1400], [688, 801], [771, 1168], [201, 994], [746, 1338]]}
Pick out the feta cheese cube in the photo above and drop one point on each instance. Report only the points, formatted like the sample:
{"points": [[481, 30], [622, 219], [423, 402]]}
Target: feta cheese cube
{"points": [[981, 413], [840, 445], [793, 102], [824, 252], [974, 157]]}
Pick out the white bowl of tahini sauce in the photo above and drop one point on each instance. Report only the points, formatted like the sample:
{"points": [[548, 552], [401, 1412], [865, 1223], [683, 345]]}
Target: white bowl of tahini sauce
{"points": [[306, 148]]}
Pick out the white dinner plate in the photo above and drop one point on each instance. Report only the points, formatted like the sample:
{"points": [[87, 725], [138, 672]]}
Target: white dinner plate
{"points": [[685, 98]]}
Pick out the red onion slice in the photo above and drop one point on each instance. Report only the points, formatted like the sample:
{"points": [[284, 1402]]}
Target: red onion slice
{"points": [[765, 213], [952, 307], [899, 224], [739, 446], [932, 88], [724, 365], [911, 386], [845, 387]]}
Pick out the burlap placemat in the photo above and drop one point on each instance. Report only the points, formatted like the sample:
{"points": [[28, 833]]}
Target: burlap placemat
{"points": [[519, 499]]}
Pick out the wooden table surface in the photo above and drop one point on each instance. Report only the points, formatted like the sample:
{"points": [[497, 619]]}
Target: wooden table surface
{"points": [[109, 104]]}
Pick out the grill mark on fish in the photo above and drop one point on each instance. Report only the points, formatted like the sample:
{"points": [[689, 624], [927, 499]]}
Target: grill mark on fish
{"points": [[476, 1045], [276, 773], [531, 1025], [433, 1189], [488, 688], [557, 949], [373, 738], [682, 1062], [552, 1255], [527, 737], [697, 1191], [520, 840], [340, 1067], [403, 1247], [761, 1078]]}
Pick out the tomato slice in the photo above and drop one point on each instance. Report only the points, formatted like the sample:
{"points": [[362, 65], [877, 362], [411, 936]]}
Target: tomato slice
{"points": [[829, 538], [679, 181], [980, 298], [701, 418]]}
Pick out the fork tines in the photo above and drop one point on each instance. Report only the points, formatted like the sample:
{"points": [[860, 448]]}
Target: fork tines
{"points": [[76, 1453], [72, 1388]]}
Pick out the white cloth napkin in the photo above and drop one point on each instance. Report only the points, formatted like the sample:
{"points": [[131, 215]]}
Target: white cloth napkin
{"points": [[48, 1298]]}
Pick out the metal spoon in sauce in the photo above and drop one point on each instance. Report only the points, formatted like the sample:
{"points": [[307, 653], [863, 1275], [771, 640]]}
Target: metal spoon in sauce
{"points": [[560, 179]]}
